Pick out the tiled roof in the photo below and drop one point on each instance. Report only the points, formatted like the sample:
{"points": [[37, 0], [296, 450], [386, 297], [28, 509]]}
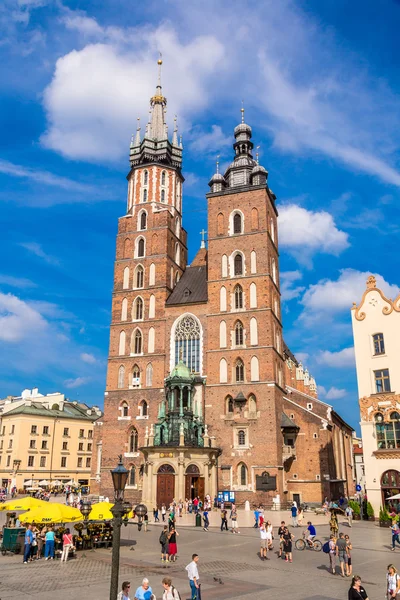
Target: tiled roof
{"points": [[71, 411], [191, 288], [286, 422]]}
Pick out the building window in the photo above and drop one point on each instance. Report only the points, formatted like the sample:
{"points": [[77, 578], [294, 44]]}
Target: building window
{"points": [[121, 376], [387, 433], [238, 297], [1, 444], [239, 333], [10, 444], [65, 446], [42, 461], [46, 430], [143, 409], [143, 220], [149, 375], [132, 476], [145, 195], [12, 430], [252, 404], [133, 441], [379, 344], [33, 429], [140, 248], [79, 465], [8, 460], [145, 177], [88, 462], [63, 461], [220, 224], [125, 410], [243, 474], [89, 447], [237, 223], [229, 405], [239, 371], [187, 342], [162, 195], [238, 264], [163, 178], [138, 309], [81, 433], [138, 342], [241, 437], [382, 381], [32, 444], [31, 461], [66, 431], [139, 277], [90, 434], [80, 447], [135, 377]]}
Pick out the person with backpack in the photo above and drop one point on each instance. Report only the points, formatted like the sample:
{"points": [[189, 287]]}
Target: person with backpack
{"points": [[170, 592], [393, 582], [224, 519], [164, 545], [294, 515], [330, 548]]}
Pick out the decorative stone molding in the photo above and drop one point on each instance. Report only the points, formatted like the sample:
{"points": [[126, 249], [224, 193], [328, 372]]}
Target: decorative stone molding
{"points": [[387, 453], [369, 405], [389, 304]]}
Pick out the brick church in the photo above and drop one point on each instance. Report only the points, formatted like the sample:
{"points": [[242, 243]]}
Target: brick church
{"points": [[202, 393]]}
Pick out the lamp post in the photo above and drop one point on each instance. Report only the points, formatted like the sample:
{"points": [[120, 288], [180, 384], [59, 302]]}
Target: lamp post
{"points": [[119, 477], [140, 511]]}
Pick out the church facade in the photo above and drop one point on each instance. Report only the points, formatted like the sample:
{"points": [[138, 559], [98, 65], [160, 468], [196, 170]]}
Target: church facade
{"points": [[202, 394]]}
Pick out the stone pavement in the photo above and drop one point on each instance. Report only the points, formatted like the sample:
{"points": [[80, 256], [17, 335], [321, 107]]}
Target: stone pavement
{"points": [[233, 559]]}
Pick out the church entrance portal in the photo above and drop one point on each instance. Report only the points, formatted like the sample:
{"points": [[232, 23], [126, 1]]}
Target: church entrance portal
{"points": [[165, 485], [194, 484]]}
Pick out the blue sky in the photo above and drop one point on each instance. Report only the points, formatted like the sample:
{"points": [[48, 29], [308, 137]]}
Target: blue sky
{"points": [[321, 85]]}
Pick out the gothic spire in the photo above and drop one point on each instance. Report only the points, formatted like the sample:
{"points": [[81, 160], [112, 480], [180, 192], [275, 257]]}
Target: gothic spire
{"points": [[157, 129], [137, 137]]}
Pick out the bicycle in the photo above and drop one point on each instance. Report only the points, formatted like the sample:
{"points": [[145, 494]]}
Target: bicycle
{"points": [[301, 544]]}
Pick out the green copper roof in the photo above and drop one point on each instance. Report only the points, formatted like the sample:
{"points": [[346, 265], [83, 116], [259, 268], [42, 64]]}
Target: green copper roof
{"points": [[181, 371]]}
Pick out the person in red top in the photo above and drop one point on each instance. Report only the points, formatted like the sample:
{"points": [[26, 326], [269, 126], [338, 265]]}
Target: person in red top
{"points": [[67, 545], [196, 505]]}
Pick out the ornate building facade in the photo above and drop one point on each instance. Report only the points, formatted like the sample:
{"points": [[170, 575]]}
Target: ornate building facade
{"points": [[196, 383], [376, 330]]}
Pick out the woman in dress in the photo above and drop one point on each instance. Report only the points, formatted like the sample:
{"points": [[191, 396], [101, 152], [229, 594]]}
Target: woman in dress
{"points": [[173, 547], [287, 539], [268, 529], [393, 582], [300, 516], [357, 591]]}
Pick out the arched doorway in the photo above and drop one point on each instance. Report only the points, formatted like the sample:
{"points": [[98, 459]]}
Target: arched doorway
{"points": [[390, 486], [165, 485], [194, 484]]}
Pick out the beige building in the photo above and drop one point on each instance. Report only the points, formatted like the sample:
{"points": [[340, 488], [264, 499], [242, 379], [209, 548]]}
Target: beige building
{"points": [[45, 438], [376, 330]]}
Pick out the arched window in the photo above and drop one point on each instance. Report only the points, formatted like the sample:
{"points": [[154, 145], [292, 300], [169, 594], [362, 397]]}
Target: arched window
{"points": [[252, 404], [242, 474], [224, 266], [135, 376], [255, 370], [239, 371], [239, 334], [238, 264], [145, 195], [138, 309], [253, 332], [122, 343], [132, 476], [152, 274], [187, 342], [154, 244], [149, 375], [379, 344], [125, 409], [274, 270], [222, 334], [127, 249], [177, 227], [177, 253], [163, 178], [162, 195], [143, 220], [253, 262], [133, 441], [125, 284], [137, 341], [143, 409], [152, 306], [140, 248], [222, 299], [121, 376], [272, 226], [145, 177], [238, 293], [237, 223], [229, 404], [124, 309], [223, 371], [253, 295], [241, 437], [220, 224], [254, 219], [151, 341], [139, 276]]}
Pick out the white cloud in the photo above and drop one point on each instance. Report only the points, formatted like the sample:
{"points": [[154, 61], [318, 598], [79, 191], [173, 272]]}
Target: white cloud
{"points": [[17, 282], [288, 290], [18, 320], [37, 250], [321, 390], [302, 357], [212, 142], [304, 232], [335, 393], [76, 382], [88, 358], [44, 177], [84, 25], [342, 359]]}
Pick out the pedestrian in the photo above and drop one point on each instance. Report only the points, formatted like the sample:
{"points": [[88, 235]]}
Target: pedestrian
{"points": [[269, 530], [35, 533], [264, 542], [287, 539], [341, 552], [124, 593], [49, 544], [196, 505], [144, 591], [163, 512], [205, 519], [40, 536], [395, 534], [393, 582], [256, 517], [349, 514], [67, 545], [333, 524], [146, 521], [170, 592], [164, 544], [349, 548], [281, 531], [300, 516], [194, 579], [171, 520], [234, 522], [224, 520], [332, 553], [28, 544], [357, 591], [172, 545], [294, 515], [155, 514]]}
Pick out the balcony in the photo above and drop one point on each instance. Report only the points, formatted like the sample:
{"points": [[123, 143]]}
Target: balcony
{"points": [[288, 452]]}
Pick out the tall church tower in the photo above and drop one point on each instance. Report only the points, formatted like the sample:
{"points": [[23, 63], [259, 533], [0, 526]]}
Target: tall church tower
{"points": [[151, 255], [245, 355]]}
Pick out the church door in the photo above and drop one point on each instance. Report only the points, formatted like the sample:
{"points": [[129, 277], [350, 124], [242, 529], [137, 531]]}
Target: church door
{"points": [[165, 485]]}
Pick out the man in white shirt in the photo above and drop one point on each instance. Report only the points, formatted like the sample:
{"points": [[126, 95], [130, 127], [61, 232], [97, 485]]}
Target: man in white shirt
{"points": [[193, 574], [264, 542]]}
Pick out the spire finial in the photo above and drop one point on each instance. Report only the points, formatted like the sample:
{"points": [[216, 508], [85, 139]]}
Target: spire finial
{"points": [[257, 154], [159, 62], [242, 111], [203, 243], [137, 138], [217, 164]]}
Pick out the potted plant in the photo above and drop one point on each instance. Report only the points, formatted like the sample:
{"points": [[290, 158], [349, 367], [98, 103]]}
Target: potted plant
{"points": [[370, 512], [384, 517], [356, 510]]}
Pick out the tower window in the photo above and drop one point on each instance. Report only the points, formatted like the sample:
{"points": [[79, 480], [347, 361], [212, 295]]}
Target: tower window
{"points": [[145, 195], [382, 381], [132, 476], [121, 376], [163, 178], [243, 474], [229, 405], [140, 248], [139, 277], [379, 344], [241, 437], [133, 441], [162, 195], [239, 371], [143, 221], [143, 409], [238, 297], [237, 223], [238, 264], [138, 309], [145, 177], [239, 334], [125, 409], [138, 342], [187, 342], [135, 376]]}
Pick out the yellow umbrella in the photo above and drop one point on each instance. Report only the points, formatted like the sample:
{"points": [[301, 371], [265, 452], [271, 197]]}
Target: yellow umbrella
{"points": [[52, 513], [23, 504], [101, 511]]}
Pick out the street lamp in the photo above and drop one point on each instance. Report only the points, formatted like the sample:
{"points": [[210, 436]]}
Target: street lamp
{"points": [[119, 478], [86, 509], [140, 511]]}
